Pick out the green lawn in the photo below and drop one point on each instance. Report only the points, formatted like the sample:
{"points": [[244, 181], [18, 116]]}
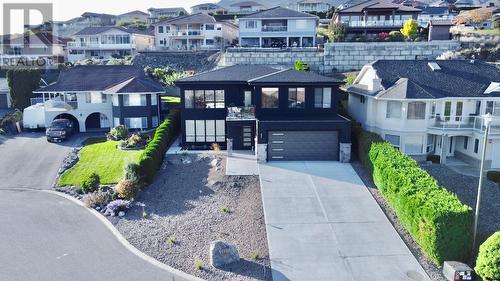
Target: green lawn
{"points": [[102, 158], [171, 99]]}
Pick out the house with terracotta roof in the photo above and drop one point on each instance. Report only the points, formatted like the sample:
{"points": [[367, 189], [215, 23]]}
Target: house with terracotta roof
{"points": [[374, 16], [192, 32], [105, 42]]}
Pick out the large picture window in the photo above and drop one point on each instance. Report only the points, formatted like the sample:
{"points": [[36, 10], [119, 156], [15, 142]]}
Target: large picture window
{"points": [[395, 140], [270, 98], [393, 109], [323, 97], [136, 122], [205, 131], [296, 97], [204, 99], [416, 111]]}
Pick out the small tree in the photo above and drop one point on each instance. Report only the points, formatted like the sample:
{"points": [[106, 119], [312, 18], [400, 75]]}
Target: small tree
{"points": [[410, 28], [300, 66], [22, 83], [488, 260]]}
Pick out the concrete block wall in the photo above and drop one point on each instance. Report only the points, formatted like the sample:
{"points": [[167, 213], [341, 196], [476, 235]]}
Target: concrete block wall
{"points": [[341, 56], [351, 56]]}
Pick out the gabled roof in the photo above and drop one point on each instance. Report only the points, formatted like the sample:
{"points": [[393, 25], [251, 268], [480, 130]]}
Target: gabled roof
{"points": [[456, 78], [112, 78], [174, 9], [435, 10], [258, 74], [278, 13], [134, 12], [246, 3], [231, 74], [213, 5], [294, 76], [94, 30], [90, 14], [194, 18], [378, 4]]}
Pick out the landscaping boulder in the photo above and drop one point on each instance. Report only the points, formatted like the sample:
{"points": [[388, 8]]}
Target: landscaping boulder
{"points": [[223, 253]]}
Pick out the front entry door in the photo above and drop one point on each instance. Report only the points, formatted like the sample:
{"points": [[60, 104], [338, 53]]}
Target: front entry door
{"points": [[244, 138]]}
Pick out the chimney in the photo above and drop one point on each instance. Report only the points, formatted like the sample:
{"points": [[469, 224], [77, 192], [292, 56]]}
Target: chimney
{"points": [[376, 85]]}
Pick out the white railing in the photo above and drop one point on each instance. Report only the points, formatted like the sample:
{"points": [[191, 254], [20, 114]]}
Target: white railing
{"points": [[375, 23], [240, 113], [455, 123], [274, 28], [98, 45], [57, 102], [186, 32]]}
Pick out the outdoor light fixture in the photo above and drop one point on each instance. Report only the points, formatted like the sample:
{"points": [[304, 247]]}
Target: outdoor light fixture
{"points": [[487, 122]]}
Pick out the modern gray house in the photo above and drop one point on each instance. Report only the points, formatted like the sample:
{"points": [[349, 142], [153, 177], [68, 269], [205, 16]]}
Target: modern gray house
{"points": [[281, 114], [99, 97]]}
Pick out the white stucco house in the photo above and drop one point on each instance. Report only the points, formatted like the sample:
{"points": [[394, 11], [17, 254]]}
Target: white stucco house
{"points": [[430, 107], [278, 26], [108, 41], [192, 32]]}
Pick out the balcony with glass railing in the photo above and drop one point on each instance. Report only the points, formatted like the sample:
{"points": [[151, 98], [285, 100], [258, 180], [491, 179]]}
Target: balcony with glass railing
{"points": [[65, 102], [459, 124], [240, 113], [186, 32], [274, 28], [374, 23], [97, 45]]}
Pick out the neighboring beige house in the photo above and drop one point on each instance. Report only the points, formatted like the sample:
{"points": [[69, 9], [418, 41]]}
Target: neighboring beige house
{"points": [[158, 14], [197, 31], [107, 42], [430, 107], [208, 8], [132, 16]]}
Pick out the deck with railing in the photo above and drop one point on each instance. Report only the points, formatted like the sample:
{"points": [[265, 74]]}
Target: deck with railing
{"points": [[467, 123], [240, 113]]}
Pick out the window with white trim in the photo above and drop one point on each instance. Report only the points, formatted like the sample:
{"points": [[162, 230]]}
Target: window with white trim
{"points": [[395, 140], [394, 109], [323, 97], [116, 100], [250, 24], [154, 121], [134, 100], [416, 110], [154, 99], [95, 98], [136, 122]]}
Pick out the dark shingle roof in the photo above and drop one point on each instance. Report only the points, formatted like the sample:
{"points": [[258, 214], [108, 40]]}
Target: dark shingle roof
{"points": [[378, 4], [434, 10], [109, 78], [278, 13], [194, 18], [294, 76], [100, 29], [134, 12], [457, 78], [230, 74], [257, 74]]}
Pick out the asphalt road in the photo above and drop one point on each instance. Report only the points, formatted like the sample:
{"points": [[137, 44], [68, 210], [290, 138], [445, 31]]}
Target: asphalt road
{"points": [[46, 237]]}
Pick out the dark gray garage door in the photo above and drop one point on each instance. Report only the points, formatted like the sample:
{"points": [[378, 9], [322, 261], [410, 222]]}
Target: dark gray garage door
{"points": [[303, 145], [3, 100]]}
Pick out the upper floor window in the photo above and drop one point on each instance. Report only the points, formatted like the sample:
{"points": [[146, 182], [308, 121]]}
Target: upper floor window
{"points": [[250, 24], [134, 100], [489, 107], [209, 27], [116, 39], [115, 100], [296, 97], [416, 111], [270, 98], [393, 109], [323, 97], [204, 99], [160, 29], [154, 100], [95, 98], [362, 99]]}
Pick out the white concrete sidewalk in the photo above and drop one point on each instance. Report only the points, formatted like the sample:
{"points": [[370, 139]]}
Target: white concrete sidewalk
{"points": [[323, 224], [242, 163]]}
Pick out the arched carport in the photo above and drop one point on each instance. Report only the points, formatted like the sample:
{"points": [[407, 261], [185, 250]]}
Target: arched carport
{"points": [[97, 122], [71, 118]]}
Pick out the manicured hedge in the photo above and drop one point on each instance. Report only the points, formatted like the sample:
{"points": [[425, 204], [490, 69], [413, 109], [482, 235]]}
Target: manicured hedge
{"points": [[436, 219], [362, 141], [488, 260], [152, 156]]}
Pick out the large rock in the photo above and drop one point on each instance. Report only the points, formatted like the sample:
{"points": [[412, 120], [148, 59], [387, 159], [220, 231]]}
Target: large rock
{"points": [[222, 253]]}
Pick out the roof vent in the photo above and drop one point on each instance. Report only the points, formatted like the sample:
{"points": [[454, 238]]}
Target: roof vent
{"points": [[472, 61], [434, 66]]}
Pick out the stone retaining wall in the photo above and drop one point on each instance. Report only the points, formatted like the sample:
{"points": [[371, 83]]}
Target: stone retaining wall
{"points": [[340, 57]]}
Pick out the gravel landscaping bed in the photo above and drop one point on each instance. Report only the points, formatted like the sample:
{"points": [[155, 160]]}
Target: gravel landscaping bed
{"points": [[192, 203], [432, 270], [465, 187]]}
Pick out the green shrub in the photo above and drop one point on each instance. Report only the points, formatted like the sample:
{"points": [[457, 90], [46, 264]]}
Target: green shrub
{"points": [[151, 158], [488, 260], [436, 159], [435, 218], [90, 184], [362, 141], [300, 65], [127, 189], [493, 176], [396, 36], [119, 132], [97, 199]]}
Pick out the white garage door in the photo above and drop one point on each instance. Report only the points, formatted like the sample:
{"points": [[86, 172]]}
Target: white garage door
{"points": [[303, 145]]}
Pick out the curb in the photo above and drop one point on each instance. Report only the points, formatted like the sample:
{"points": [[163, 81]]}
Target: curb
{"points": [[124, 241]]}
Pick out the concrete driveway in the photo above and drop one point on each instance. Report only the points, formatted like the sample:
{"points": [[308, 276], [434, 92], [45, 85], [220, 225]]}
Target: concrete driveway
{"points": [[46, 237], [323, 224]]}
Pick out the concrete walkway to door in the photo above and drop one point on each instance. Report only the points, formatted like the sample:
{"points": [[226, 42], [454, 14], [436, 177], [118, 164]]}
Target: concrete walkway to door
{"points": [[323, 224]]}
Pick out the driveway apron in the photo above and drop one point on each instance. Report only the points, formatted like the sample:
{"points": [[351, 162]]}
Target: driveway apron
{"points": [[323, 224]]}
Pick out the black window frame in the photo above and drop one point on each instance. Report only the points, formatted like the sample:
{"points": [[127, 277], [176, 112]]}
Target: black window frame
{"points": [[476, 146], [466, 142], [293, 96], [277, 102]]}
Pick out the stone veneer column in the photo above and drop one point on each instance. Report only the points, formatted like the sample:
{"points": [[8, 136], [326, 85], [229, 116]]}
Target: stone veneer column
{"points": [[345, 153], [261, 152]]}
